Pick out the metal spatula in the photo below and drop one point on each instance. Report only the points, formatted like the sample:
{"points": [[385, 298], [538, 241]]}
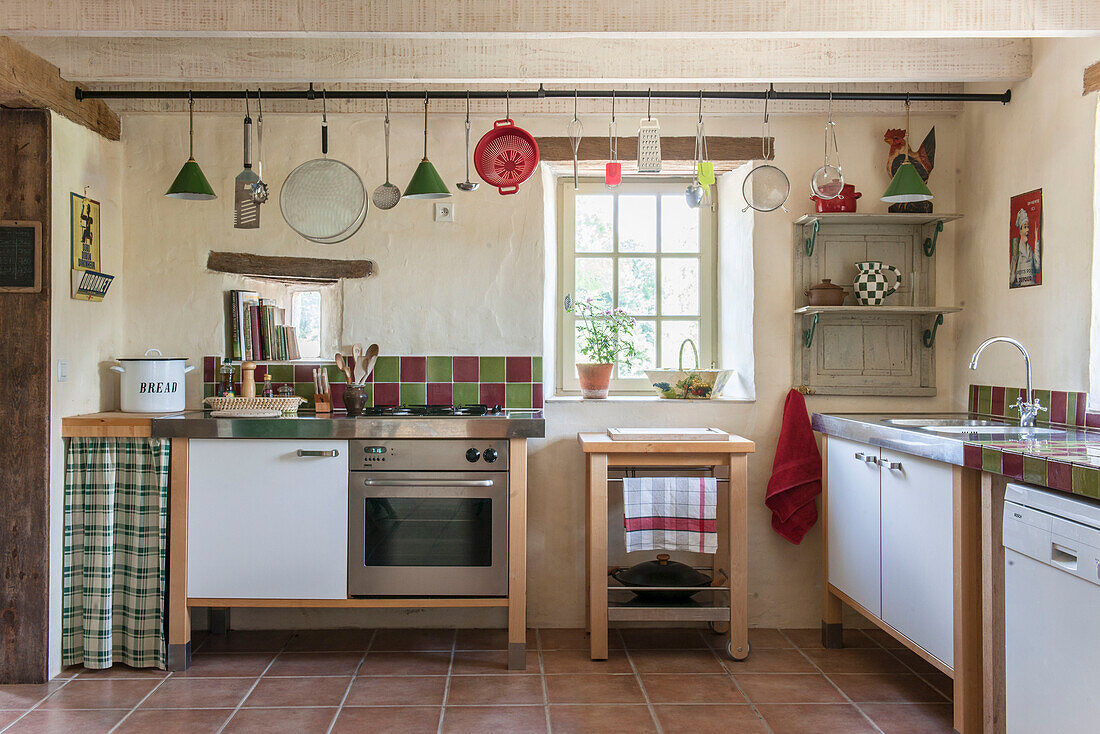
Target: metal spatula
{"points": [[246, 211]]}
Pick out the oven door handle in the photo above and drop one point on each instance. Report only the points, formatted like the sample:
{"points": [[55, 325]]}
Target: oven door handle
{"points": [[428, 482]]}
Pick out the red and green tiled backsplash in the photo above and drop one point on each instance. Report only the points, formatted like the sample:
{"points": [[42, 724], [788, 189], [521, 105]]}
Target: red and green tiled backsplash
{"points": [[1063, 408], [514, 383]]}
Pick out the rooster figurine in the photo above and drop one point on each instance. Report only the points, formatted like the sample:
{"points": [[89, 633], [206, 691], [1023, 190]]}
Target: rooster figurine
{"points": [[923, 159]]}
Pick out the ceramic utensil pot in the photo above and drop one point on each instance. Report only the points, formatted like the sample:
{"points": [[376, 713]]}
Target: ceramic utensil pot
{"points": [[826, 293], [152, 384], [662, 572], [355, 399], [871, 283]]}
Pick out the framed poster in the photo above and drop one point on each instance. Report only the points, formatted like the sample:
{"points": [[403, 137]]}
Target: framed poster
{"points": [[20, 256], [1025, 239], [85, 232]]}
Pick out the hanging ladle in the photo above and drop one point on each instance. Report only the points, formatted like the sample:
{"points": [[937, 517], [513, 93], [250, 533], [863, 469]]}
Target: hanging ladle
{"points": [[468, 185], [386, 196]]}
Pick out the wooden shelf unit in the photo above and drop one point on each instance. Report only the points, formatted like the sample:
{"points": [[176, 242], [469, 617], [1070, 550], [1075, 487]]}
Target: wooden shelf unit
{"points": [[879, 218], [870, 310]]}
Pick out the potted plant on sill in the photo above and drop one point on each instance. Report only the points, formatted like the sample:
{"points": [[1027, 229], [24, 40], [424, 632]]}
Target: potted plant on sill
{"points": [[606, 338]]}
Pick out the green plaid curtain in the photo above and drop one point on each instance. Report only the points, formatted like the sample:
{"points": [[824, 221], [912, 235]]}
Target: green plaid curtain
{"points": [[113, 582]]}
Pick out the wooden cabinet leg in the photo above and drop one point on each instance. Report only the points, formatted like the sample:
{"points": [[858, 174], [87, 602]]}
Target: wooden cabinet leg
{"points": [[832, 610], [517, 554], [597, 555], [967, 532], [179, 616], [739, 556]]}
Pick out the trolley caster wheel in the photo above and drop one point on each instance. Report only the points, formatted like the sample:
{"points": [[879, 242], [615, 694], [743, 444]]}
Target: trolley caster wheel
{"points": [[729, 651], [719, 628]]}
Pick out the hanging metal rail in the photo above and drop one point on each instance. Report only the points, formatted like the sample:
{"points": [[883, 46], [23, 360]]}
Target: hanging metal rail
{"points": [[543, 93]]}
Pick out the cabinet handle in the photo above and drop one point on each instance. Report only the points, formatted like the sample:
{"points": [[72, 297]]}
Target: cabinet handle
{"points": [[427, 482], [305, 452], [890, 464], [865, 458]]}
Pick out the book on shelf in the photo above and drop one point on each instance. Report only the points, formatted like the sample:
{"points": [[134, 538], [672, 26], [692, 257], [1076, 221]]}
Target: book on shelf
{"points": [[256, 329]]}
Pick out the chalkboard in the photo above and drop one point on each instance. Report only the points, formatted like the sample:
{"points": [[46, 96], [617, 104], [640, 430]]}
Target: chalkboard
{"points": [[20, 257]]}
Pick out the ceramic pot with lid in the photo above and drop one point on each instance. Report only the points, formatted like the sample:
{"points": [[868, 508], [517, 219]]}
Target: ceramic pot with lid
{"points": [[152, 384], [844, 202], [826, 293], [662, 572]]}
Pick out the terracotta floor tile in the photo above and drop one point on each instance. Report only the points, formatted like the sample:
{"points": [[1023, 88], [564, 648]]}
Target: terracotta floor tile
{"points": [[406, 663], [196, 693], [25, 695], [577, 661], [476, 662], [397, 691], [911, 718], [709, 718], [120, 671], [481, 719], [810, 638], [110, 693], [856, 660], [246, 641], [489, 639], [883, 639], [691, 688], [572, 639], [788, 688], [334, 640], [490, 690], [174, 721], [227, 665], [941, 683], [315, 663], [281, 721], [771, 661], [70, 672], [593, 689], [761, 638], [809, 718], [915, 662], [298, 692], [675, 638], [413, 639], [889, 688], [58, 722], [601, 720], [6, 717], [675, 661], [387, 720]]}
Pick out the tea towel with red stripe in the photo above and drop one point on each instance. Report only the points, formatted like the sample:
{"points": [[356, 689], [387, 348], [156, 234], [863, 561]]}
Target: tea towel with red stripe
{"points": [[671, 513]]}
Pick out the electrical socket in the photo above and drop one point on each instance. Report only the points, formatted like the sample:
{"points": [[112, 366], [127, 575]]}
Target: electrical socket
{"points": [[444, 211], [62, 370]]}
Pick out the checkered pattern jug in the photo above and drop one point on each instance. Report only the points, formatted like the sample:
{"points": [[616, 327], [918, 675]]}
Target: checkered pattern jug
{"points": [[871, 289]]}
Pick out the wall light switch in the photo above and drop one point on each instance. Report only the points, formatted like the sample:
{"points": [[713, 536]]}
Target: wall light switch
{"points": [[62, 370], [444, 211]]}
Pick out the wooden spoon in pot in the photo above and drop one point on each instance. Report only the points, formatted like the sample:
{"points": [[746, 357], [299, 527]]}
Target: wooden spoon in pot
{"points": [[343, 366], [368, 360]]}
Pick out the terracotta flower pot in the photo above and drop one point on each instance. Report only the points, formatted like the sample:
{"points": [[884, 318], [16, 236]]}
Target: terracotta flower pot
{"points": [[594, 377]]}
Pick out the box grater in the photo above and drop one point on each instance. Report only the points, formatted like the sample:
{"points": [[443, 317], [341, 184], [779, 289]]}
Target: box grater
{"points": [[649, 146]]}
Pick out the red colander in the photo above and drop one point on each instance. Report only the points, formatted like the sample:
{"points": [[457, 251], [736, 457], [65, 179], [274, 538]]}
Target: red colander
{"points": [[506, 156]]}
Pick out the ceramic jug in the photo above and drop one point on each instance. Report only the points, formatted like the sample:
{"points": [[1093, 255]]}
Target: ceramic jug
{"points": [[870, 285]]}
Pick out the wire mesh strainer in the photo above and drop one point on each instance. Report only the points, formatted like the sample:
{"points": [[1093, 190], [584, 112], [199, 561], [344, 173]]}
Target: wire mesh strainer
{"points": [[766, 187]]}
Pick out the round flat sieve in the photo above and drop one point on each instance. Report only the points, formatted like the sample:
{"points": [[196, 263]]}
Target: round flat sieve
{"points": [[766, 188]]}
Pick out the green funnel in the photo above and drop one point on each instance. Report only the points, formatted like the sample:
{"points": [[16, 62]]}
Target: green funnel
{"points": [[426, 183], [906, 186], [191, 184]]}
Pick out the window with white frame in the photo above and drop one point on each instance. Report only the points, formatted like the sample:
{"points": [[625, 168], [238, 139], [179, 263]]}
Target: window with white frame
{"points": [[305, 316], [641, 248]]}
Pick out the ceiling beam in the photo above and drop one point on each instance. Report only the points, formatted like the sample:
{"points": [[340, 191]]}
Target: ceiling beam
{"points": [[658, 18], [28, 81], [606, 61]]}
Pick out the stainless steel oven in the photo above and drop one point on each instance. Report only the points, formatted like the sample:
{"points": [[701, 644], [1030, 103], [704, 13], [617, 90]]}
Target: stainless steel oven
{"points": [[428, 517]]}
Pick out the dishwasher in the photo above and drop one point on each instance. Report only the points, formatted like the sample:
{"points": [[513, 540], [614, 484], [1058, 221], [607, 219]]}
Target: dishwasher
{"points": [[1052, 609]]}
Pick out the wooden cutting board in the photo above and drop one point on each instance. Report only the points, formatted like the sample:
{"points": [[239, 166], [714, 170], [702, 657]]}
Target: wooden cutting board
{"points": [[667, 434]]}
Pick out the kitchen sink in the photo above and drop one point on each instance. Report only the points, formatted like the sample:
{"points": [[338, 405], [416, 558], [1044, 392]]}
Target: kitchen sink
{"points": [[930, 423], [969, 425]]}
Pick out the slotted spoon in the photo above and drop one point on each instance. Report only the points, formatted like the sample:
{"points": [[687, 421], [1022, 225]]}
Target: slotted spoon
{"points": [[468, 185], [386, 195]]}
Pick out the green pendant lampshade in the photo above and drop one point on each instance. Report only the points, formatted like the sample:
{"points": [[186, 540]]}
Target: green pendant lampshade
{"points": [[190, 182], [426, 183], [906, 186]]}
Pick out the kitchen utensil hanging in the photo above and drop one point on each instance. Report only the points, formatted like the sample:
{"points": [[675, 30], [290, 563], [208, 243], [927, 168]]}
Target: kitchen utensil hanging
{"points": [[766, 187], [246, 211], [386, 195], [698, 191], [324, 199], [649, 141], [507, 155], [258, 188], [468, 185], [828, 181], [613, 171], [575, 131]]}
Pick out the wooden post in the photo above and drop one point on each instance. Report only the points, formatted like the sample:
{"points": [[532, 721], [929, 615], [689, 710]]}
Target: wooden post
{"points": [[597, 554], [967, 542], [739, 555], [179, 615], [517, 554], [832, 610], [993, 603]]}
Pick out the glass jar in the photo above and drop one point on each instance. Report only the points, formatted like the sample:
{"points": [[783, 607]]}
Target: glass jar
{"points": [[225, 384]]}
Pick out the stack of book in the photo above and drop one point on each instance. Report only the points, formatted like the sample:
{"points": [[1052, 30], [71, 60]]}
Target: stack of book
{"points": [[256, 329]]}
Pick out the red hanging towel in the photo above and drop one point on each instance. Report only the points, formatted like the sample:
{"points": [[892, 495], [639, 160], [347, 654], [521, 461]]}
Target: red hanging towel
{"points": [[796, 473]]}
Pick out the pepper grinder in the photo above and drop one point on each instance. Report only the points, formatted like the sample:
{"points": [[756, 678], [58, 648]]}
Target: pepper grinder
{"points": [[248, 379]]}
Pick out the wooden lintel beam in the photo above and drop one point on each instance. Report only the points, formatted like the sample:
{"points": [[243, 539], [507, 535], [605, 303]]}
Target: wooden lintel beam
{"points": [[560, 150], [28, 81], [298, 269], [1092, 78]]}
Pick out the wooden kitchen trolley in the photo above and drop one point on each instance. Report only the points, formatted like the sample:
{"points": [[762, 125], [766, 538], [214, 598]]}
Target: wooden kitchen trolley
{"points": [[729, 589]]}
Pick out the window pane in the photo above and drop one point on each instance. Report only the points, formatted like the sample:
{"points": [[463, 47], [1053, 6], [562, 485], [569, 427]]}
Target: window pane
{"points": [[638, 285], [679, 225], [306, 309], [593, 280], [673, 334], [637, 223], [594, 222], [679, 286], [645, 340]]}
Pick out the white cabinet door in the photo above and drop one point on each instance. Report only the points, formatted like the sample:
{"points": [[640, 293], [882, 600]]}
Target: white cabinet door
{"points": [[917, 551], [853, 522], [266, 523]]}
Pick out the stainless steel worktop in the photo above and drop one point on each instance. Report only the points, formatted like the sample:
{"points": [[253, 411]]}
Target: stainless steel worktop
{"points": [[512, 424]]}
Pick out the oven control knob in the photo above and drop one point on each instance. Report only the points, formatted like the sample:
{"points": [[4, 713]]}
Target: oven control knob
{"points": [[472, 455], [490, 455]]}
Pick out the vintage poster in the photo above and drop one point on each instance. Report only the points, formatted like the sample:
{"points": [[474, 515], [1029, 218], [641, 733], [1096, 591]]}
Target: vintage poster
{"points": [[85, 233], [1025, 238]]}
